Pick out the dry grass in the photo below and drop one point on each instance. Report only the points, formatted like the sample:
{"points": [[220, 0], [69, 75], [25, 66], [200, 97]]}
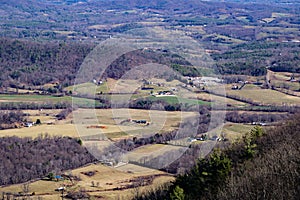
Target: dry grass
{"points": [[46, 116], [282, 80], [264, 96], [275, 14], [211, 97], [45, 189], [268, 20], [117, 125], [165, 153], [35, 131], [107, 177], [234, 131], [111, 119]]}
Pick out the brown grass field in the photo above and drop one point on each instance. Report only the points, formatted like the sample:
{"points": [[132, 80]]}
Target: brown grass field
{"points": [[234, 131], [148, 152], [111, 119], [282, 80], [264, 96], [229, 102], [35, 131], [107, 177]]}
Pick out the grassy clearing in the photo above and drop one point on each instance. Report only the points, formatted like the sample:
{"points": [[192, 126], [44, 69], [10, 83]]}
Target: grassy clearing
{"points": [[264, 96], [33, 98], [230, 39], [234, 131], [199, 29], [46, 116], [229, 102], [13, 98], [275, 14], [281, 30], [117, 125], [243, 18], [50, 125], [176, 99], [20, 91], [35, 131], [155, 149], [146, 154], [157, 118], [88, 88], [268, 20], [111, 119], [282, 80]]}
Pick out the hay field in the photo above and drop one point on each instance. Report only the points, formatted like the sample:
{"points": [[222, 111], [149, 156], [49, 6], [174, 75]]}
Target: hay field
{"points": [[82, 102], [107, 177], [119, 123], [234, 131], [33, 98], [111, 121], [229, 102], [264, 96], [35, 131], [155, 156], [159, 120]]}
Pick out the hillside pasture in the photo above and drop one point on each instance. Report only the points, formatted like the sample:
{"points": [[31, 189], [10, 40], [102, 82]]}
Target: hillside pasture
{"points": [[88, 88], [264, 96], [35, 131], [282, 80], [111, 123], [44, 99], [155, 156], [109, 183], [234, 131], [158, 120], [33, 98], [229, 102]]}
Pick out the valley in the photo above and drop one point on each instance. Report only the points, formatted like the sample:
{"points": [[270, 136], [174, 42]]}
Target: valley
{"points": [[125, 99]]}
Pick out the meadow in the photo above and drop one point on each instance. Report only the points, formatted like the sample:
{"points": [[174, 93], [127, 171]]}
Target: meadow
{"points": [[44, 99], [108, 179], [264, 96]]}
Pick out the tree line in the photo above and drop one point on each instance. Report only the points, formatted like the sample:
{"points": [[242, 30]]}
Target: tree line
{"points": [[35, 64], [253, 58], [24, 159], [11, 119], [264, 164]]}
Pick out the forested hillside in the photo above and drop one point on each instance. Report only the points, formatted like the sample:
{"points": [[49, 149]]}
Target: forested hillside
{"points": [[264, 165], [24, 159], [32, 64], [26, 63], [255, 58]]}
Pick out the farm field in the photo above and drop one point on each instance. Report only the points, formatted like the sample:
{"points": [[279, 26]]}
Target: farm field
{"points": [[163, 120], [117, 121], [87, 88], [108, 180], [234, 131], [264, 96], [32, 98], [282, 80], [229, 102], [45, 115], [112, 121], [25, 98], [35, 131], [150, 154]]}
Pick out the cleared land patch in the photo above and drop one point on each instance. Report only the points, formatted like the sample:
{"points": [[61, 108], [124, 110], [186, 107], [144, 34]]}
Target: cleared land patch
{"points": [[264, 96], [106, 181]]}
